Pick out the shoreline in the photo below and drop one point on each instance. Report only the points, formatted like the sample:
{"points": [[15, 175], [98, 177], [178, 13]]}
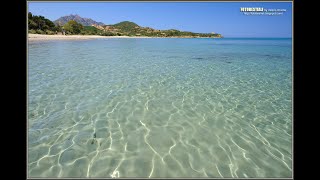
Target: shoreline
{"points": [[41, 37], [44, 37]]}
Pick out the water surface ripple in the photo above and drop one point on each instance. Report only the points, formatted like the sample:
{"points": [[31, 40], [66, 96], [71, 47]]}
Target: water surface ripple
{"points": [[160, 108]]}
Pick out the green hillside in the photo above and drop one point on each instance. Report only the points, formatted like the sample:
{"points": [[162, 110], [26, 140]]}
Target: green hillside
{"points": [[41, 25], [126, 25], [128, 28]]}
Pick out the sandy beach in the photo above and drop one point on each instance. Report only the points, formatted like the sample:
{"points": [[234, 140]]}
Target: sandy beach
{"points": [[44, 37], [41, 37]]}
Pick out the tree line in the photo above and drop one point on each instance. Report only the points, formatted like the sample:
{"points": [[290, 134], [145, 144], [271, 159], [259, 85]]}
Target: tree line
{"points": [[42, 25]]}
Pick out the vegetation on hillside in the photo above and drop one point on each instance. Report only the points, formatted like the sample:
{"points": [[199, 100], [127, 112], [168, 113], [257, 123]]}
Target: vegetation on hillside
{"points": [[41, 25], [72, 27], [125, 25], [90, 30], [128, 28]]}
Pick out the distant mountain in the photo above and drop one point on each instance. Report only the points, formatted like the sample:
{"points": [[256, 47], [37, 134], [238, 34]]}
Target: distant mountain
{"points": [[84, 21]]}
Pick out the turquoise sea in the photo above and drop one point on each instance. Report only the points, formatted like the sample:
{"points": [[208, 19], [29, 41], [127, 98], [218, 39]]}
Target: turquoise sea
{"points": [[160, 107]]}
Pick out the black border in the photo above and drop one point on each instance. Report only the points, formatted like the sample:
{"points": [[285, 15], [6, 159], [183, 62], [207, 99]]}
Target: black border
{"points": [[15, 135], [18, 82], [299, 83]]}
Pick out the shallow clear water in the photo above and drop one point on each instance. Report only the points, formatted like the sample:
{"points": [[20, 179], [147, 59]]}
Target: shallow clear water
{"points": [[160, 108]]}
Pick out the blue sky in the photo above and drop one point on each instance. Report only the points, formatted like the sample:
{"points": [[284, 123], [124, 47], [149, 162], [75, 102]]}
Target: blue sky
{"points": [[220, 17]]}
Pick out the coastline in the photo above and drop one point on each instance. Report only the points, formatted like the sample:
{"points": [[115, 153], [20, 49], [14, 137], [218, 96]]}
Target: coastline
{"points": [[44, 37]]}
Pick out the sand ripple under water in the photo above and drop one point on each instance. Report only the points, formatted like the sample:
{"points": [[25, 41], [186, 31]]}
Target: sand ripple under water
{"points": [[160, 108]]}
